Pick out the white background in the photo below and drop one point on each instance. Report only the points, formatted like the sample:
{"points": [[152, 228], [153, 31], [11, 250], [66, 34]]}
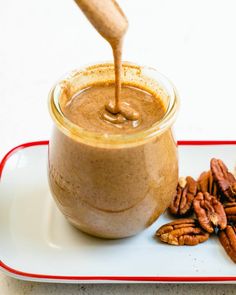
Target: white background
{"points": [[193, 42]]}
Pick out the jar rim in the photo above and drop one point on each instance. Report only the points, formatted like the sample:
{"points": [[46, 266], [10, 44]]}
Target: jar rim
{"points": [[80, 134]]}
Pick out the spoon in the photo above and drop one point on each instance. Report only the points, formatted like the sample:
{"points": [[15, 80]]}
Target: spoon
{"points": [[107, 17]]}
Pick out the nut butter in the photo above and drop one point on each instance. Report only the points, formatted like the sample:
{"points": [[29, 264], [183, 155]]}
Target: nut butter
{"points": [[112, 179]]}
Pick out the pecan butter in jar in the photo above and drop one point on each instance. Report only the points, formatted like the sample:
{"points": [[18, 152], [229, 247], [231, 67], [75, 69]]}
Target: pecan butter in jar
{"points": [[113, 177]]}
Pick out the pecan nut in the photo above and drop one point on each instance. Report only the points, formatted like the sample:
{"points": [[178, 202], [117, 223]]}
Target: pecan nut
{"points": [[225, 180], [207, 184], [227, 238], [181, 205], [210, 212], [230, 211], [183, 231]]}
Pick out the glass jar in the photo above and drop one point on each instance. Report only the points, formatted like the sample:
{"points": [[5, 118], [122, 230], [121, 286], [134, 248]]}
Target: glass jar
{"points": [[113, 186]]}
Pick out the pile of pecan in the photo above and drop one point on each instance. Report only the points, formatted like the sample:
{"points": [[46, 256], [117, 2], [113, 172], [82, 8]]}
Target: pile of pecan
{"points": [[212, 200]]}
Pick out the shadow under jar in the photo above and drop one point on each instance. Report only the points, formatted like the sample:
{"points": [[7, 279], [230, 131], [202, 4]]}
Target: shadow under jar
{"points": [[113, 185]]}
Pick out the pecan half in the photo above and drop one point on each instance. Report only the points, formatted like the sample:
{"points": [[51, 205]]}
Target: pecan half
{"points": [[230, 211], [207, 184], [183, 231], [227, 238], [209, 211], [225, 180], [183, 200]]}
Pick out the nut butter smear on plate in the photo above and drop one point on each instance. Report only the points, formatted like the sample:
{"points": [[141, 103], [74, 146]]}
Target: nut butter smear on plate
{"points": [[109, 107]]}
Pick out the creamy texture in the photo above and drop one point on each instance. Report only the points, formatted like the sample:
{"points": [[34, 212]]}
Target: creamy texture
{"points": [[108, 190], [109, 20], [86, 109], [112, 192]]}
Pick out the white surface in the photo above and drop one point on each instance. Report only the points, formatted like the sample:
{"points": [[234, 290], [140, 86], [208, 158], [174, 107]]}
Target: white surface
{"points": [[33, 232], [192, 42]]}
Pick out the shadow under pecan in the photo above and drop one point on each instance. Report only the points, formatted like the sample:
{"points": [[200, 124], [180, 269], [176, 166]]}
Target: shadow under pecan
{"points": [[230, 211], [227, 238], [207, 184], [181, 205], [224, 179], [210, 212], [185, 231]]}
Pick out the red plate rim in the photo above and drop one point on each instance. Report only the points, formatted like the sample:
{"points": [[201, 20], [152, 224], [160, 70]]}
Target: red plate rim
{"points": [[22, 274]]}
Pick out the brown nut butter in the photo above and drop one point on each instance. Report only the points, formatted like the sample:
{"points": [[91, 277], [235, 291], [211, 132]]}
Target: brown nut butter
{"points": [[111, 175]]}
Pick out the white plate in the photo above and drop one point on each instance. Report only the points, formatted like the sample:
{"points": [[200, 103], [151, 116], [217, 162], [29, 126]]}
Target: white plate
{"points": [[37, 243]]}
